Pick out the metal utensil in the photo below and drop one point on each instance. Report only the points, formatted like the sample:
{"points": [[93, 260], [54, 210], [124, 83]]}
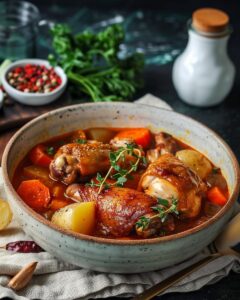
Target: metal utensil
{"points": [[223, 245]]}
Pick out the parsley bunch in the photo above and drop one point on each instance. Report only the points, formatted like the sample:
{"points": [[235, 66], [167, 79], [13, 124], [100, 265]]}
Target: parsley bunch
{"points": [[92, 64]]}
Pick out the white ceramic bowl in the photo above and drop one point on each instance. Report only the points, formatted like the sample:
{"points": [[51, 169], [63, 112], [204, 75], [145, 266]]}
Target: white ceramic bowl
{"points": [[34, 99], [109, 255]]}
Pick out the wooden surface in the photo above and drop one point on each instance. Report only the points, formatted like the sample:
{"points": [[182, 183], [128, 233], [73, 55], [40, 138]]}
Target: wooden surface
{"points": [[4, 138], [13, 115]]}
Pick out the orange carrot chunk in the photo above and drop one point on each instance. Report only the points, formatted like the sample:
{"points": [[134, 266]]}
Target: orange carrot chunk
{"points": [[35, 194], [141, 136], [39, 157], [216, 196]]}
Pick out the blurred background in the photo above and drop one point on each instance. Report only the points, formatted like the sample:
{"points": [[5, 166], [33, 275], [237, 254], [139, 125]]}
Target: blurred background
{"points": [[159, 29]]}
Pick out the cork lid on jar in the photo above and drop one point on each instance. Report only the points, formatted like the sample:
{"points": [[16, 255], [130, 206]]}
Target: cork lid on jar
{"points": [[210, 20]]}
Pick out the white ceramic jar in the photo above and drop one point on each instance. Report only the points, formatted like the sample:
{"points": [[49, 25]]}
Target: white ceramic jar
{"points": [[203, 74]]}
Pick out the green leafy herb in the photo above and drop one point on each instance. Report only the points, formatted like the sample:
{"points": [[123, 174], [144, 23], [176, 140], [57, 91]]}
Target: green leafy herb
{"points": [[163, 202], [81, 141], [92, 64], [162, 210], [143, 222], [50, 150], [121, 175], [145, 162]]}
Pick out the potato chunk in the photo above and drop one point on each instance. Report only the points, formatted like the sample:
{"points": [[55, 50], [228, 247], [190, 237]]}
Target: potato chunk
{"points": [[36, 172], [103, 135], [5, 214], [196, 161], [78, 217]]}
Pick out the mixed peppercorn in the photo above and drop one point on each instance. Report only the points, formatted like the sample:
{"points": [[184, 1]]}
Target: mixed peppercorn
{"points": [[34, 79]]}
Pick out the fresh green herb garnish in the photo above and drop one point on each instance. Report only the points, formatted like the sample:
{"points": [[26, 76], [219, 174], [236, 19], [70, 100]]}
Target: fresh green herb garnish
{"points": [[162, 210], [81, 141], [50, 150], [143, 222], [144, 160], [92, 63], [122, 175], [163, 202]]}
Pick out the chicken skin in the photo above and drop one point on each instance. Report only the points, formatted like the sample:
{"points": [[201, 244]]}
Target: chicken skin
{"points": [[170, 179], [76, 162], [118, 209], [73, 161]]}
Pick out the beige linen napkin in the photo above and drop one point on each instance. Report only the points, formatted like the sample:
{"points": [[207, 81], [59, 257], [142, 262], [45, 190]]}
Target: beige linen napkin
{"points": [[56, 280]]}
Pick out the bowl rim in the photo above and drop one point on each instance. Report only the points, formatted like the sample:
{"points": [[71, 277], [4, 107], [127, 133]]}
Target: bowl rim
{"points": [[35, 61], [110, 241]]}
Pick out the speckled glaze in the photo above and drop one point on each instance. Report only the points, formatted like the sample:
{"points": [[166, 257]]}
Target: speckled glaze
{"points": [[109, 255]]}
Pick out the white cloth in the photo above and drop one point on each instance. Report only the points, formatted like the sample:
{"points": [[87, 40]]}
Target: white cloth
{"points": [[55, 280]]}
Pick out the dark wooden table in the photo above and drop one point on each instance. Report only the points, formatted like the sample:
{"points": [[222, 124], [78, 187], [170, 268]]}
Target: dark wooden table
{"points": [[224, 119]]}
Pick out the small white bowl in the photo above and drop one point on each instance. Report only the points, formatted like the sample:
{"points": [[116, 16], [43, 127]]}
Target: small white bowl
{"points": [[33, 98]]}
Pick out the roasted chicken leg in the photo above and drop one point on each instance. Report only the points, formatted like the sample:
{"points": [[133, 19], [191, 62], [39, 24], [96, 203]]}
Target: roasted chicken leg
{"points": [[118, 209], [79, 160], [74, 162], [170, 179]]}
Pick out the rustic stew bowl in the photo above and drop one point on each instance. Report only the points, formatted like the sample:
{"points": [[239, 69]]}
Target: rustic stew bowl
{"points": [[109, 255]]}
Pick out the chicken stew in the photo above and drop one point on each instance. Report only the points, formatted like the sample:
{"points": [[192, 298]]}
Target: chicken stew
{"points": [[122, 183]]}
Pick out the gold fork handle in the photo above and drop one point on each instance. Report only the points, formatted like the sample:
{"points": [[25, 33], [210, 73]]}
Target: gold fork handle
{"points": [[168, 282]]}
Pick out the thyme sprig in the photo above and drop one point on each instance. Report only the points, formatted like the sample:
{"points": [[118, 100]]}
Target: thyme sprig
{"points": [[50, 150], [121, 175], [81, 141], [162, 210]]}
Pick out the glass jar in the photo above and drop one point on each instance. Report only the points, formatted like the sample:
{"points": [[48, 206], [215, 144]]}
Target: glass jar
{"points": [[19, 25]]}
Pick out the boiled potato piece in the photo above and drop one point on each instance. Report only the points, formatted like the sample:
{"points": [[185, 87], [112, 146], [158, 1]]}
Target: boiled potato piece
{"points": [[37, 172], [78, 217], [5, 214], [103, 135], [196, 161]]}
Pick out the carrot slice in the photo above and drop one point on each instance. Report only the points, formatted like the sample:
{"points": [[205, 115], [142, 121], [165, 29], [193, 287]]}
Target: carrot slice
{"points": [[216, 196], [56, 204], [39, 157], [35, 194], [141, 136]]}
